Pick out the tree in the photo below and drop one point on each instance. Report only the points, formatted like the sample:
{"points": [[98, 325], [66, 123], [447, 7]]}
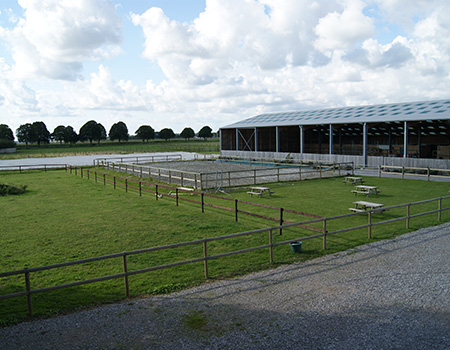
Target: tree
{"points": [[25, 133], [70, 136], [145, 132], [92, 131], [187, 133], [58, 133], [40, 133], [166, 134], [6, 133], [205, 132], [118, 131]]}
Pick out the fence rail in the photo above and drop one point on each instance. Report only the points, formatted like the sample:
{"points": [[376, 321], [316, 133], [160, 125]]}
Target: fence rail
{"points": [[414, 171], [24, 167], [228, 178], [28, 292]]}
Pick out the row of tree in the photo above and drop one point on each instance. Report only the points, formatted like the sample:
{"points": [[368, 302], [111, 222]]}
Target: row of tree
{"points": [[91, 131]]}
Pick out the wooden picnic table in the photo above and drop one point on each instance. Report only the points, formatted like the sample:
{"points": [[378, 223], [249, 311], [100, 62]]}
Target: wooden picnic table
{"points": [[353, 180], [361, 206], [367, 190], [260, 191]]}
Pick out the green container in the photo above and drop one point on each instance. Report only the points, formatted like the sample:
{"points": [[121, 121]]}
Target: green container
{"points": [[296, 247]]}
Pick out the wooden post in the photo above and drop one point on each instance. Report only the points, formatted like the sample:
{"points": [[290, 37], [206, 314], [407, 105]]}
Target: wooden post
{"points": [[28, 289], [87, 173], [95, 174], [81, 172], [278, 174], [408, 209], [181, 176], [440, 208], [205, 255], [203, 204], [156, 192], [370, 225], [300, 172], [140, 189], [114, 182], [125, 270], [229, 179], [403, 172], [104, 179], [271, 246], [126, 185], [281, 220], [254, 177], [428, 173], [324, 234], [236, 209], [170, 177], [176, 195]]}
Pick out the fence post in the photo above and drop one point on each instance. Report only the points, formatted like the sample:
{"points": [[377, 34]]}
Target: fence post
{"points": [[156, 192], [70, 169], [87, 173], [95, 174], [126, 185], [140, 189], [369, 229], [278, 174], [428, 173], [236, 209], [205, 255], [300, 172], [203, 204], [403, 172], [229, 179], [182, 178], [45, 168], [324, 234], [28, 289], [281, 220], [104, 179], [125, 270], [81, 172], [271, 247], [114, 182], [440, 208], [320, 170], [176, 195], [170, 177], [379, 170], [408, 210], [254, 177]]}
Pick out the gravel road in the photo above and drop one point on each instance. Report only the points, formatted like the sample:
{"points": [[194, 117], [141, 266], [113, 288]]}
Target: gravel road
{"points": [[392, 294]]}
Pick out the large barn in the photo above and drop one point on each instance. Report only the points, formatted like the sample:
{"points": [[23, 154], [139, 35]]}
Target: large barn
{"points": [[405, 134]]}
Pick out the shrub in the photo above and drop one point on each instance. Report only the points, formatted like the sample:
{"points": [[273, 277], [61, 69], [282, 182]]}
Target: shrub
{"points": [[7, 143], [7, 190]]}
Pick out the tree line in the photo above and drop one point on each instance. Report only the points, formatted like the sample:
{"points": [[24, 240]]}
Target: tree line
{"points": [[91, 131]]}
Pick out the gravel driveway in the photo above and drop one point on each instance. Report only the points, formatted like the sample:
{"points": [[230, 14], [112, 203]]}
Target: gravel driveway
{"points": [[392, 294]]}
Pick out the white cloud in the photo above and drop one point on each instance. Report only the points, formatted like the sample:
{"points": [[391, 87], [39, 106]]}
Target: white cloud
{"points": [[55, 36], [339, 31]]}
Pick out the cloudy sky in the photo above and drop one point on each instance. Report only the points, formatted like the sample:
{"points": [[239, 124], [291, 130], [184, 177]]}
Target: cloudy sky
{"points": [[190, 63]]}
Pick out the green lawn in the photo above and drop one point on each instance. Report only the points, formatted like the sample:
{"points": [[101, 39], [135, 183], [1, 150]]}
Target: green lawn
{"points": [[63, 217], [107, 147]]}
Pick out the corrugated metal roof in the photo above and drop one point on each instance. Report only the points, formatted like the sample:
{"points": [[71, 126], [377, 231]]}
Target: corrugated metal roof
{"points": [[410, 111]]}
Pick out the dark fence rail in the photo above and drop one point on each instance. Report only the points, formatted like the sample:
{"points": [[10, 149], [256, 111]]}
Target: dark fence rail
{"points": [[28, 291], [24, 167], [404, 171]]}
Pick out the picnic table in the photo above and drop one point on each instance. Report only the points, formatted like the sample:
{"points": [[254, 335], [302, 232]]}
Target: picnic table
{"points": [[367, 190], [260, 191], [353, 180], [361, 206]]}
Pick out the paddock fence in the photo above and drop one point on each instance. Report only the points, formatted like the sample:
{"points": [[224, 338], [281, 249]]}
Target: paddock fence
{"points": [[28, 292], [406, 172], [187, 195], [25, 167], [276, 172]]}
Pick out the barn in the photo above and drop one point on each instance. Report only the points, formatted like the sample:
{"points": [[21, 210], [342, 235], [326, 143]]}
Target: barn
{"points": [[414, 134]]}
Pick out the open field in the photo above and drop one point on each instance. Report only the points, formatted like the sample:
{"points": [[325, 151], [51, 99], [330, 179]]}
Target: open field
{"points": [[64, 217], [106, 147]]}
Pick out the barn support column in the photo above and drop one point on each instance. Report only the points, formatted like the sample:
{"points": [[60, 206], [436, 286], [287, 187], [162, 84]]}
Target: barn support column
{"points": [[331, 139], [365, 139], [405, 140], [277, 139], [302, 139], [256, 139], [419, 141], [237, 139]]}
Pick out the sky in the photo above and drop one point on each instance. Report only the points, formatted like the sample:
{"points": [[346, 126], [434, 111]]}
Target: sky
{"points": [[191, 63]]}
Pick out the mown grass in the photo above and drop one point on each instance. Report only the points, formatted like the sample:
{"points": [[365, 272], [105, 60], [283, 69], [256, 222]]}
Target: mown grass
{"points": [[63, 217], [115, 147]]}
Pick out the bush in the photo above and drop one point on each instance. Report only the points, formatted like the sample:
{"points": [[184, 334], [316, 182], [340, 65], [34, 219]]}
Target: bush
{"points": [[7, 190], [7, 143]]}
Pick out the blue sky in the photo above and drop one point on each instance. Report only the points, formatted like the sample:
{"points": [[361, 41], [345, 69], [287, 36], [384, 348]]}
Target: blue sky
{"points": [[174, 63]]}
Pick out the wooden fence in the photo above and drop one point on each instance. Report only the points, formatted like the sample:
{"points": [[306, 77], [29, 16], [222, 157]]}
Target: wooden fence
{"points": [[27, 272], [278, 172], [176, 195], [404, 171], [23, 167]]}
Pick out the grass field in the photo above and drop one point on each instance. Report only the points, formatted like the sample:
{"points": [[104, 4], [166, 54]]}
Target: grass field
{"points": [[107, 147], [63, 217]]}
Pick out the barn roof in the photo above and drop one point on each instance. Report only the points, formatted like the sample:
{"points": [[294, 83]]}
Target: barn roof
{"points": [[409, 111]]}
